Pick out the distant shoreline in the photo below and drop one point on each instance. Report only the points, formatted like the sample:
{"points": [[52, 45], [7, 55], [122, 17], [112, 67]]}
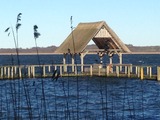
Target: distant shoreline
{"points": [[51, 49]]}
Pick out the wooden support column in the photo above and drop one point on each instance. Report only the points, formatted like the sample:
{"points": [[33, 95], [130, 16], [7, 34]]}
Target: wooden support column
{"points": [[82, 61], [64, 63], [110, 54], [110, 59], [72, 62], [120, 60]]}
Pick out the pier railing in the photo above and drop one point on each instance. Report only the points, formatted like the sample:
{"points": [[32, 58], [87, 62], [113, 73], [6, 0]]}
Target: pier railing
{"points": [[108, 70]]}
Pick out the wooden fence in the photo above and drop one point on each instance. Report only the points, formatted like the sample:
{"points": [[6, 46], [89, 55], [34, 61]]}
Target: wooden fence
{"points": [[114, 70]]}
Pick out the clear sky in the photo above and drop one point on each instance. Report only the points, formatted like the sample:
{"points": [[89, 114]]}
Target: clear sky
{"points": [[136, 22]]}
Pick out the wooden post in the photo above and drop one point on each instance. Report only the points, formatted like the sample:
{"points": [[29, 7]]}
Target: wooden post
{"points": [[15, 70], [20, 72], [29, 71], [49, 68], [55, 68], [125, 69], [147, 70], [82, 61], [33, 71], [1, 72], [150, 72], [44, 70], [72, 62], [158, 73], [64, 63], [117, 71], [12, 73], [4, 74], [131, 68], [61, 70], [107, 70], [91, 73], [142, 73], [129, 71], [8, 71], [110, 59], [138, 70], [120, 60]]}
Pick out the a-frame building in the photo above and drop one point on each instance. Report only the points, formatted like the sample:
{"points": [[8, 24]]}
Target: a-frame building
{"points": [[103, 36]]}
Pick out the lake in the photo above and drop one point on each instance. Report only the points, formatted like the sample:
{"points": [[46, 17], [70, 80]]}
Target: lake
{"points": [[84, 98]]}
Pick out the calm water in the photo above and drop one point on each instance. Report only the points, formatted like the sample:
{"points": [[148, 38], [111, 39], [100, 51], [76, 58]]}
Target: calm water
{"points": [[90, 98]]}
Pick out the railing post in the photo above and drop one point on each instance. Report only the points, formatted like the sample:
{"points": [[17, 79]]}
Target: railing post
{"points": [[33, 71], [150, 72], [142, 73], [49, 68], [138, 70], [107, 70], [158, 73], [12, 73], [129, 71], [4, 74], [8, 72], [44, 71], [91, 70], [55, 68], [61, 70], [15, 70], [125, 71], [99, 70], [117, 71], [29, 71], [20, 72], [1, 72]]}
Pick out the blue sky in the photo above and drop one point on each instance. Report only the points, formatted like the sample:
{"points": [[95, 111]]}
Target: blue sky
{"points": [[136, 22]]}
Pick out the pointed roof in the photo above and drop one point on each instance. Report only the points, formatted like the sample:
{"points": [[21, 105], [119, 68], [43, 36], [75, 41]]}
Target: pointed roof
{"points": [[103, 36]]}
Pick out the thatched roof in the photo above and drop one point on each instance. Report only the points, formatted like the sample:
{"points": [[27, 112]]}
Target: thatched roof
{"points": [[99, 32]]}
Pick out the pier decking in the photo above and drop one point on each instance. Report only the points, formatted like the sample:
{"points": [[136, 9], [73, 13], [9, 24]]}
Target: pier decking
{"points": [[108, 70]]}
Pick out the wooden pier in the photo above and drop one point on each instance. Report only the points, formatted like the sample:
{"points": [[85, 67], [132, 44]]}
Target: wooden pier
{"points": [[108, 70]]}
